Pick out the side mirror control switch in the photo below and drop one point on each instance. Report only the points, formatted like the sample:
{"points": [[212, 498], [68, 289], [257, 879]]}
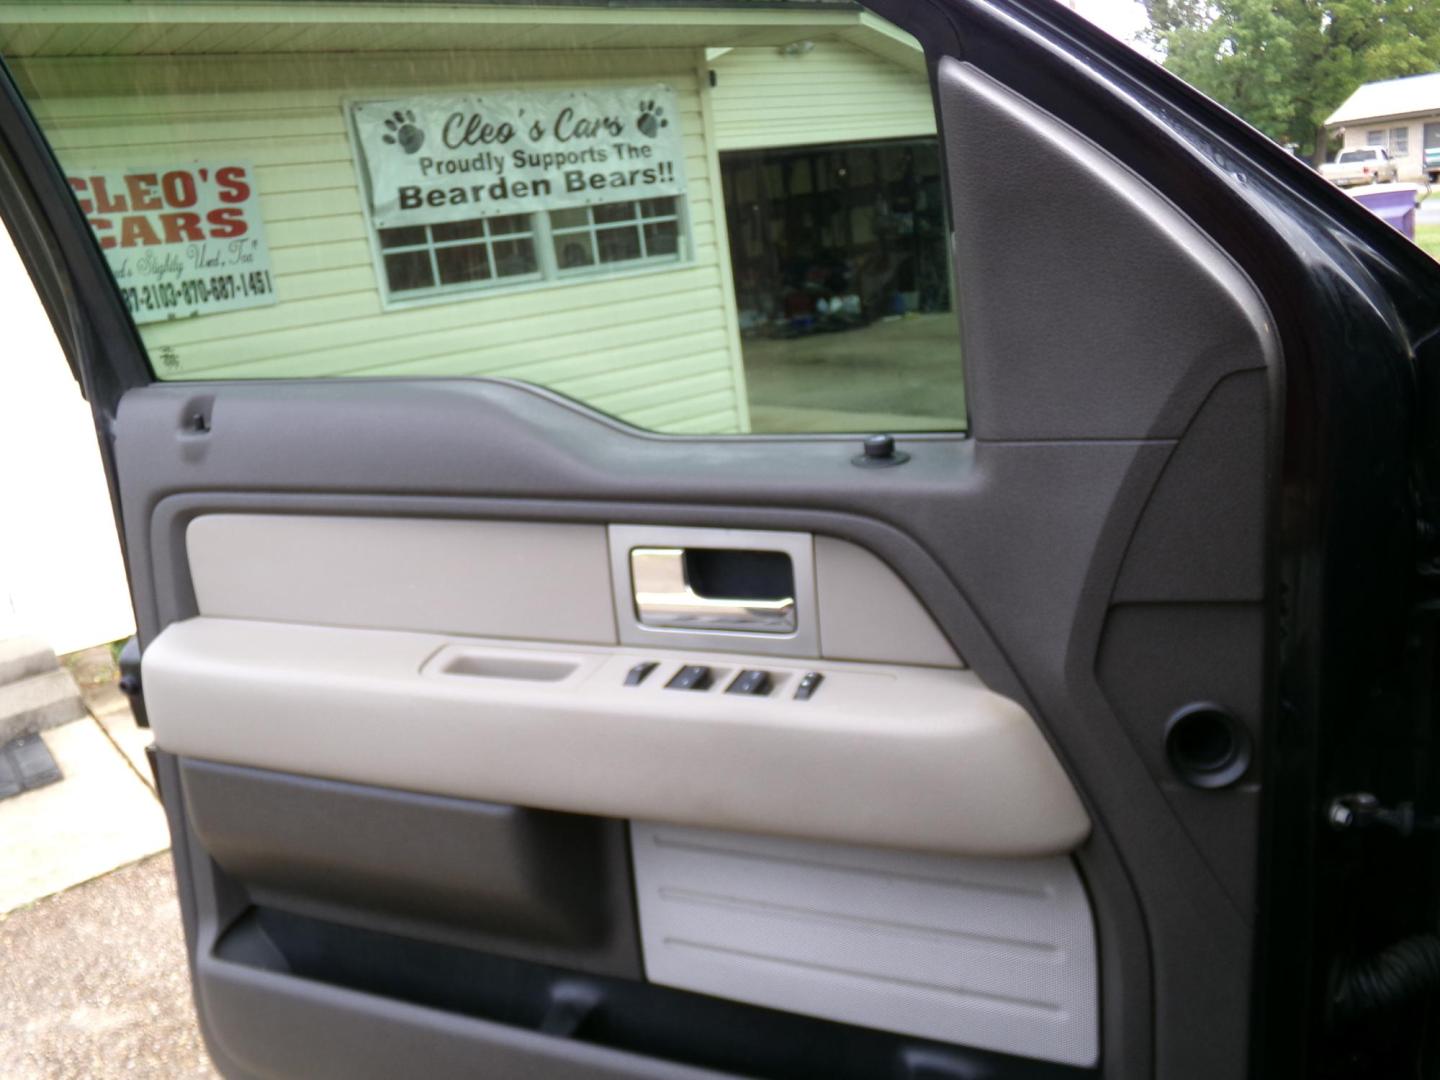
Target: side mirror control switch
{"points": [[805, 689]]}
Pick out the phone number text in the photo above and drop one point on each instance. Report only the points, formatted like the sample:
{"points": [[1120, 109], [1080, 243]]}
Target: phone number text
{"points": [[192, 292]]}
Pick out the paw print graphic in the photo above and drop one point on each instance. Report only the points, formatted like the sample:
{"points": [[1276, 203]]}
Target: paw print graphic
{"points": [[401, 131], [651, 120]]}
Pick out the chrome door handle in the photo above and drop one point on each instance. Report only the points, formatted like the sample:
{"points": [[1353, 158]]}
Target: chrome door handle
{"points": [[664, 598]]}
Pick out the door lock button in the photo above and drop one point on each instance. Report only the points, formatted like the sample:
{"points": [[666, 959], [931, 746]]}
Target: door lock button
{"points": [[752, 682], [691, 677], [640, 672], [805, 689]]}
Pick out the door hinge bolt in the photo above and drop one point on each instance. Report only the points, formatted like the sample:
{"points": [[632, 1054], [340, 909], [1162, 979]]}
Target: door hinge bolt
{"points": [[1361, 810]]}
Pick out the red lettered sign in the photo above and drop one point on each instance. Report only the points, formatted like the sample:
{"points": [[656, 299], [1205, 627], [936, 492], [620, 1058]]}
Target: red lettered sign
{"points": [[181, 240]]}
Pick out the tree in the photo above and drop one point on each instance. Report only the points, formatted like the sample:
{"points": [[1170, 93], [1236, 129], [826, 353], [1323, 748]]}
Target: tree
{"points": [[1285, 65]]}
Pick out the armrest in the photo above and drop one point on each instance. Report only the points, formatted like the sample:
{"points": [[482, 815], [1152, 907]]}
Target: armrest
{"points": [[885, 755]]}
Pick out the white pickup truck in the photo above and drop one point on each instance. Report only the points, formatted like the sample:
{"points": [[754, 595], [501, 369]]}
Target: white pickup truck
{"points": [[1361, 165]]}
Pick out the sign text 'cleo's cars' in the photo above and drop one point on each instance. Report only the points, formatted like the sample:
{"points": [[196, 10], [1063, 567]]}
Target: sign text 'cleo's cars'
{"points": [[181, 240]]}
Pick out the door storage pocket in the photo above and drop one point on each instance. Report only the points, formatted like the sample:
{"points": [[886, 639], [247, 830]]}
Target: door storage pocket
{"points": [[534, 883]]}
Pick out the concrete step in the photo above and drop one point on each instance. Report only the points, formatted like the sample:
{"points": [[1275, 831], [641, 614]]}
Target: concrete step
{"points": [[39, 702], [21, 657]]}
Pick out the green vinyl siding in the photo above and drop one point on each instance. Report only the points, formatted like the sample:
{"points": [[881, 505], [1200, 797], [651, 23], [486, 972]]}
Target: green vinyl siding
{"points": [[656, 348], [836, 92]]}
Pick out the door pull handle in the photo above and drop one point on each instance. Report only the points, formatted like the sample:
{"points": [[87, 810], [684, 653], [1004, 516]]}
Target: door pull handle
{"points": [[665, 598]]}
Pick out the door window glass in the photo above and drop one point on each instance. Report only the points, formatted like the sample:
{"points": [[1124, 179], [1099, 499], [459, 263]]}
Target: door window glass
{"points": [[702, 226], [841, 260]]}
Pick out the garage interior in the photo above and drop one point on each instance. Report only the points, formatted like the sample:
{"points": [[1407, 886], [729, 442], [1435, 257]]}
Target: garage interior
{"points": [[844, 290]]}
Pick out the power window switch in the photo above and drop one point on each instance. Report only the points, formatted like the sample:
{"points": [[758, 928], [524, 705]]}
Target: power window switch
{"points": [[640, 672], [752, 682], [691, 677], [809, 682]]}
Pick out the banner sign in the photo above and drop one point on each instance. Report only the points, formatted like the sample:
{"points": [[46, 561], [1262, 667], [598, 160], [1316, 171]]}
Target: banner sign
{"points": [[181, 240], [435, 159]]}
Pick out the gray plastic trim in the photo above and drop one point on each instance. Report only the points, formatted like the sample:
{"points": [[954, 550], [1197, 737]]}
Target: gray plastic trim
{"points": [[273, 1025], [996, 954], [492, 578], [1118, 330], [868, 613], [916, 757], [531, 884]]}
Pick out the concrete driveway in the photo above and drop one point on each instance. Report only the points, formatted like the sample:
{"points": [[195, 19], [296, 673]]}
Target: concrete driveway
{"points": [[93, 976], [95, 983]]}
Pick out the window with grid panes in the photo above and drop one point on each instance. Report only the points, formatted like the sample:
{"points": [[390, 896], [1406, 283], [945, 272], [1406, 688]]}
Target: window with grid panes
{"points": [[427, 259], [459, 254], [638, 231]]}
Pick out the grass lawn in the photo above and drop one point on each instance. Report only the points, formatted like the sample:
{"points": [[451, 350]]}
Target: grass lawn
{"points": [[1428, 237]]}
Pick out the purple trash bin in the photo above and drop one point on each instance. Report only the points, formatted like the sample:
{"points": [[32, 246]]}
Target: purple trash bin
{"points": [[1392, 203]]}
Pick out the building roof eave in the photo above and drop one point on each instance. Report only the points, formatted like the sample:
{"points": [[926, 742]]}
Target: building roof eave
{"points": [[113, 29]]}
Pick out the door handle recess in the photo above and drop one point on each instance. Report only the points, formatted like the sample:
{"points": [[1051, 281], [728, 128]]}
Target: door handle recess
{"points": [[665, 598]]}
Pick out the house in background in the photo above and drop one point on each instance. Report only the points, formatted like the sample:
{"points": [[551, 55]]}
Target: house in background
{"points": [[1402, 115]]}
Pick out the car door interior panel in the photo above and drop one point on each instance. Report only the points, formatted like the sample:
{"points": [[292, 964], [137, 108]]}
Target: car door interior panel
{"points": [[401, 727], [211, 684], [499, 737], [355, 584]]}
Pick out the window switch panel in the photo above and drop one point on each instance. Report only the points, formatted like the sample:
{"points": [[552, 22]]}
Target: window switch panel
{"points": [[691, 677], [753, 682]]}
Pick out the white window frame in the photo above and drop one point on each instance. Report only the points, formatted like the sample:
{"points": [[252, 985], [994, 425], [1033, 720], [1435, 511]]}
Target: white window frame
{"points": [[549, 275], [1390, 139], [431, 246], [592, 230]]}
